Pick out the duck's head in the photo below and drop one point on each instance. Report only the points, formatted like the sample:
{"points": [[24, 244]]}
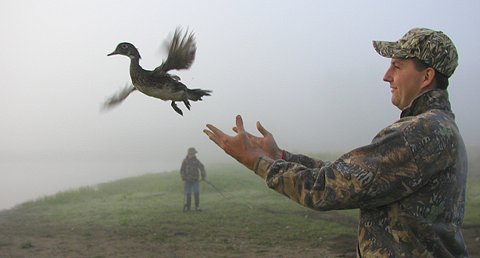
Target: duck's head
{"points": [[126, 49]]}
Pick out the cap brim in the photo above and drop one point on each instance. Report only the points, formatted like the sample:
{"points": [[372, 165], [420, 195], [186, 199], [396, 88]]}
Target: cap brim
{"points": [[391, 49], [385, 48]]}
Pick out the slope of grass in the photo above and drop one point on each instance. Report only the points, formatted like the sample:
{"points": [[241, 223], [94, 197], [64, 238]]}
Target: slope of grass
{"points": [[239, 211], [150, 207]]}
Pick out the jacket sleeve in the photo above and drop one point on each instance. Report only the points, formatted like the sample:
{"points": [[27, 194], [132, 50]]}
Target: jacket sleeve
{"points": [[302, 159], [203, 174], [373, 175], [182, 170]]}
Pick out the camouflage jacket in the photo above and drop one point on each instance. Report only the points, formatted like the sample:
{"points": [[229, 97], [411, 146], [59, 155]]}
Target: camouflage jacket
{"points": [[192, 169], [409, 183]]}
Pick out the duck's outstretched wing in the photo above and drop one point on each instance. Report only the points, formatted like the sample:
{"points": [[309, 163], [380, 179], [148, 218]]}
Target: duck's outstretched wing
{"points": [[181, 52], [118, 97]]}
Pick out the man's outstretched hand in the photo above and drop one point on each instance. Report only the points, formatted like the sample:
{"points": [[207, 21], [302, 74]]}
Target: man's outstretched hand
{"points": [[266, 143], [245, 147]]}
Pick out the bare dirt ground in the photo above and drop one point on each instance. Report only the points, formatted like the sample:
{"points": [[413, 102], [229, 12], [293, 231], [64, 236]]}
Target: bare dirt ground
{"points": [[71, 242], [105, 244]]}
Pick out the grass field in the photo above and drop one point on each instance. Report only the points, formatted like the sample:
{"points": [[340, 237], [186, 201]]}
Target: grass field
{"points": [[142, 217]]}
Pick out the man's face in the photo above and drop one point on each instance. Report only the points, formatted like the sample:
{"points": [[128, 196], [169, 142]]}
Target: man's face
{"points": [[405, 82]]}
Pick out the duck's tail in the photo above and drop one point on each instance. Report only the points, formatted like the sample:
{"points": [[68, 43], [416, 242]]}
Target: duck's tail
{"points": [[197, 94]]}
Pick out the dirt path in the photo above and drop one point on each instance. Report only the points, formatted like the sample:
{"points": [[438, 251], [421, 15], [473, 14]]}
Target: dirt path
{"points": [[73, 243], [105, 245]]}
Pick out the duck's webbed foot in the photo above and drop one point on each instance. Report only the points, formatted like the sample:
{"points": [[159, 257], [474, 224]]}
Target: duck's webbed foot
{"points": [[175, 107], [187, 104]]}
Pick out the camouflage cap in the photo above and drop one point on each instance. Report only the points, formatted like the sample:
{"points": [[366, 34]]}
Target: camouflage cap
{"points": [[432, 47]]}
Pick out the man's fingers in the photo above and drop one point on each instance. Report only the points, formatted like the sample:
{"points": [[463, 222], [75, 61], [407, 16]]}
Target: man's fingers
{"points": [[213, 138], [216, 135], [209, 134], [239, 123], [249, 135], [262, 129], [235, 129], [215, 130]]}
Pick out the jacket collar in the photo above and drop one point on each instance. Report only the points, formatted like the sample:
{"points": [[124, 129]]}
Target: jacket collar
{"points": [[433, 99]]}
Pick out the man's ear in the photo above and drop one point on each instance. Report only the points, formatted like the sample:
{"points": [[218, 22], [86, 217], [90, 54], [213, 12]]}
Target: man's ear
{"points": [[429, 76]]}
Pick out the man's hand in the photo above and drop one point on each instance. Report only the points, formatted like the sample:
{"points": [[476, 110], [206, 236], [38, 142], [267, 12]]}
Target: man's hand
{"points": [[243, 147], [267, 142]]}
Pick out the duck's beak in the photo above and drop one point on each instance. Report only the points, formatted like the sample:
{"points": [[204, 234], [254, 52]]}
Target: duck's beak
{"points": [[113, 53]]}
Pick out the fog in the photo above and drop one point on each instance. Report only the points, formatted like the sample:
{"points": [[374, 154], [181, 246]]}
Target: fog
{"points": [[306, 69]]}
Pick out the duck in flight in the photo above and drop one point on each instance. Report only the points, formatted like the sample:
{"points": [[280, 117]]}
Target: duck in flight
{"points": [[158, 83]]}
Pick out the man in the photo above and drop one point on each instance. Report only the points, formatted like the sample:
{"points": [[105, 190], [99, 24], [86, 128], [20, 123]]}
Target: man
{"points": [[191, 171], [409, 183]]}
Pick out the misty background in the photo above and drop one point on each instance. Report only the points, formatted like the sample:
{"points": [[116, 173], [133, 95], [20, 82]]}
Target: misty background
{"points": [[306, 69]]}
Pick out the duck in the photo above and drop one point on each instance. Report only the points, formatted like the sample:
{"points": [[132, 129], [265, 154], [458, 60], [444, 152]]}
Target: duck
{"points": [[158, 83]]}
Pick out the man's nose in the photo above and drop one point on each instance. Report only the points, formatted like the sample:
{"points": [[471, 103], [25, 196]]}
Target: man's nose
{"points": [[387, 77]]}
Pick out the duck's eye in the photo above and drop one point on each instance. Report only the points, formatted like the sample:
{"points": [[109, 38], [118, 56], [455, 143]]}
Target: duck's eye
{"points": [[124, 46]]}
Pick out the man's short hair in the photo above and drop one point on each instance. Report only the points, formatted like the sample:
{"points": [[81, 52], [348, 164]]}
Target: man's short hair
{"points": [[441, 81]]}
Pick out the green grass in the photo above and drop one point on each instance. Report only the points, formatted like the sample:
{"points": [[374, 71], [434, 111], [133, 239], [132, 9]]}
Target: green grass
{"points": [[149, 208], [472, 209]]}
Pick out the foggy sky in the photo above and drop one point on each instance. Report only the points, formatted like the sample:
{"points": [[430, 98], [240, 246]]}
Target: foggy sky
{"points": [[306, 69]]}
